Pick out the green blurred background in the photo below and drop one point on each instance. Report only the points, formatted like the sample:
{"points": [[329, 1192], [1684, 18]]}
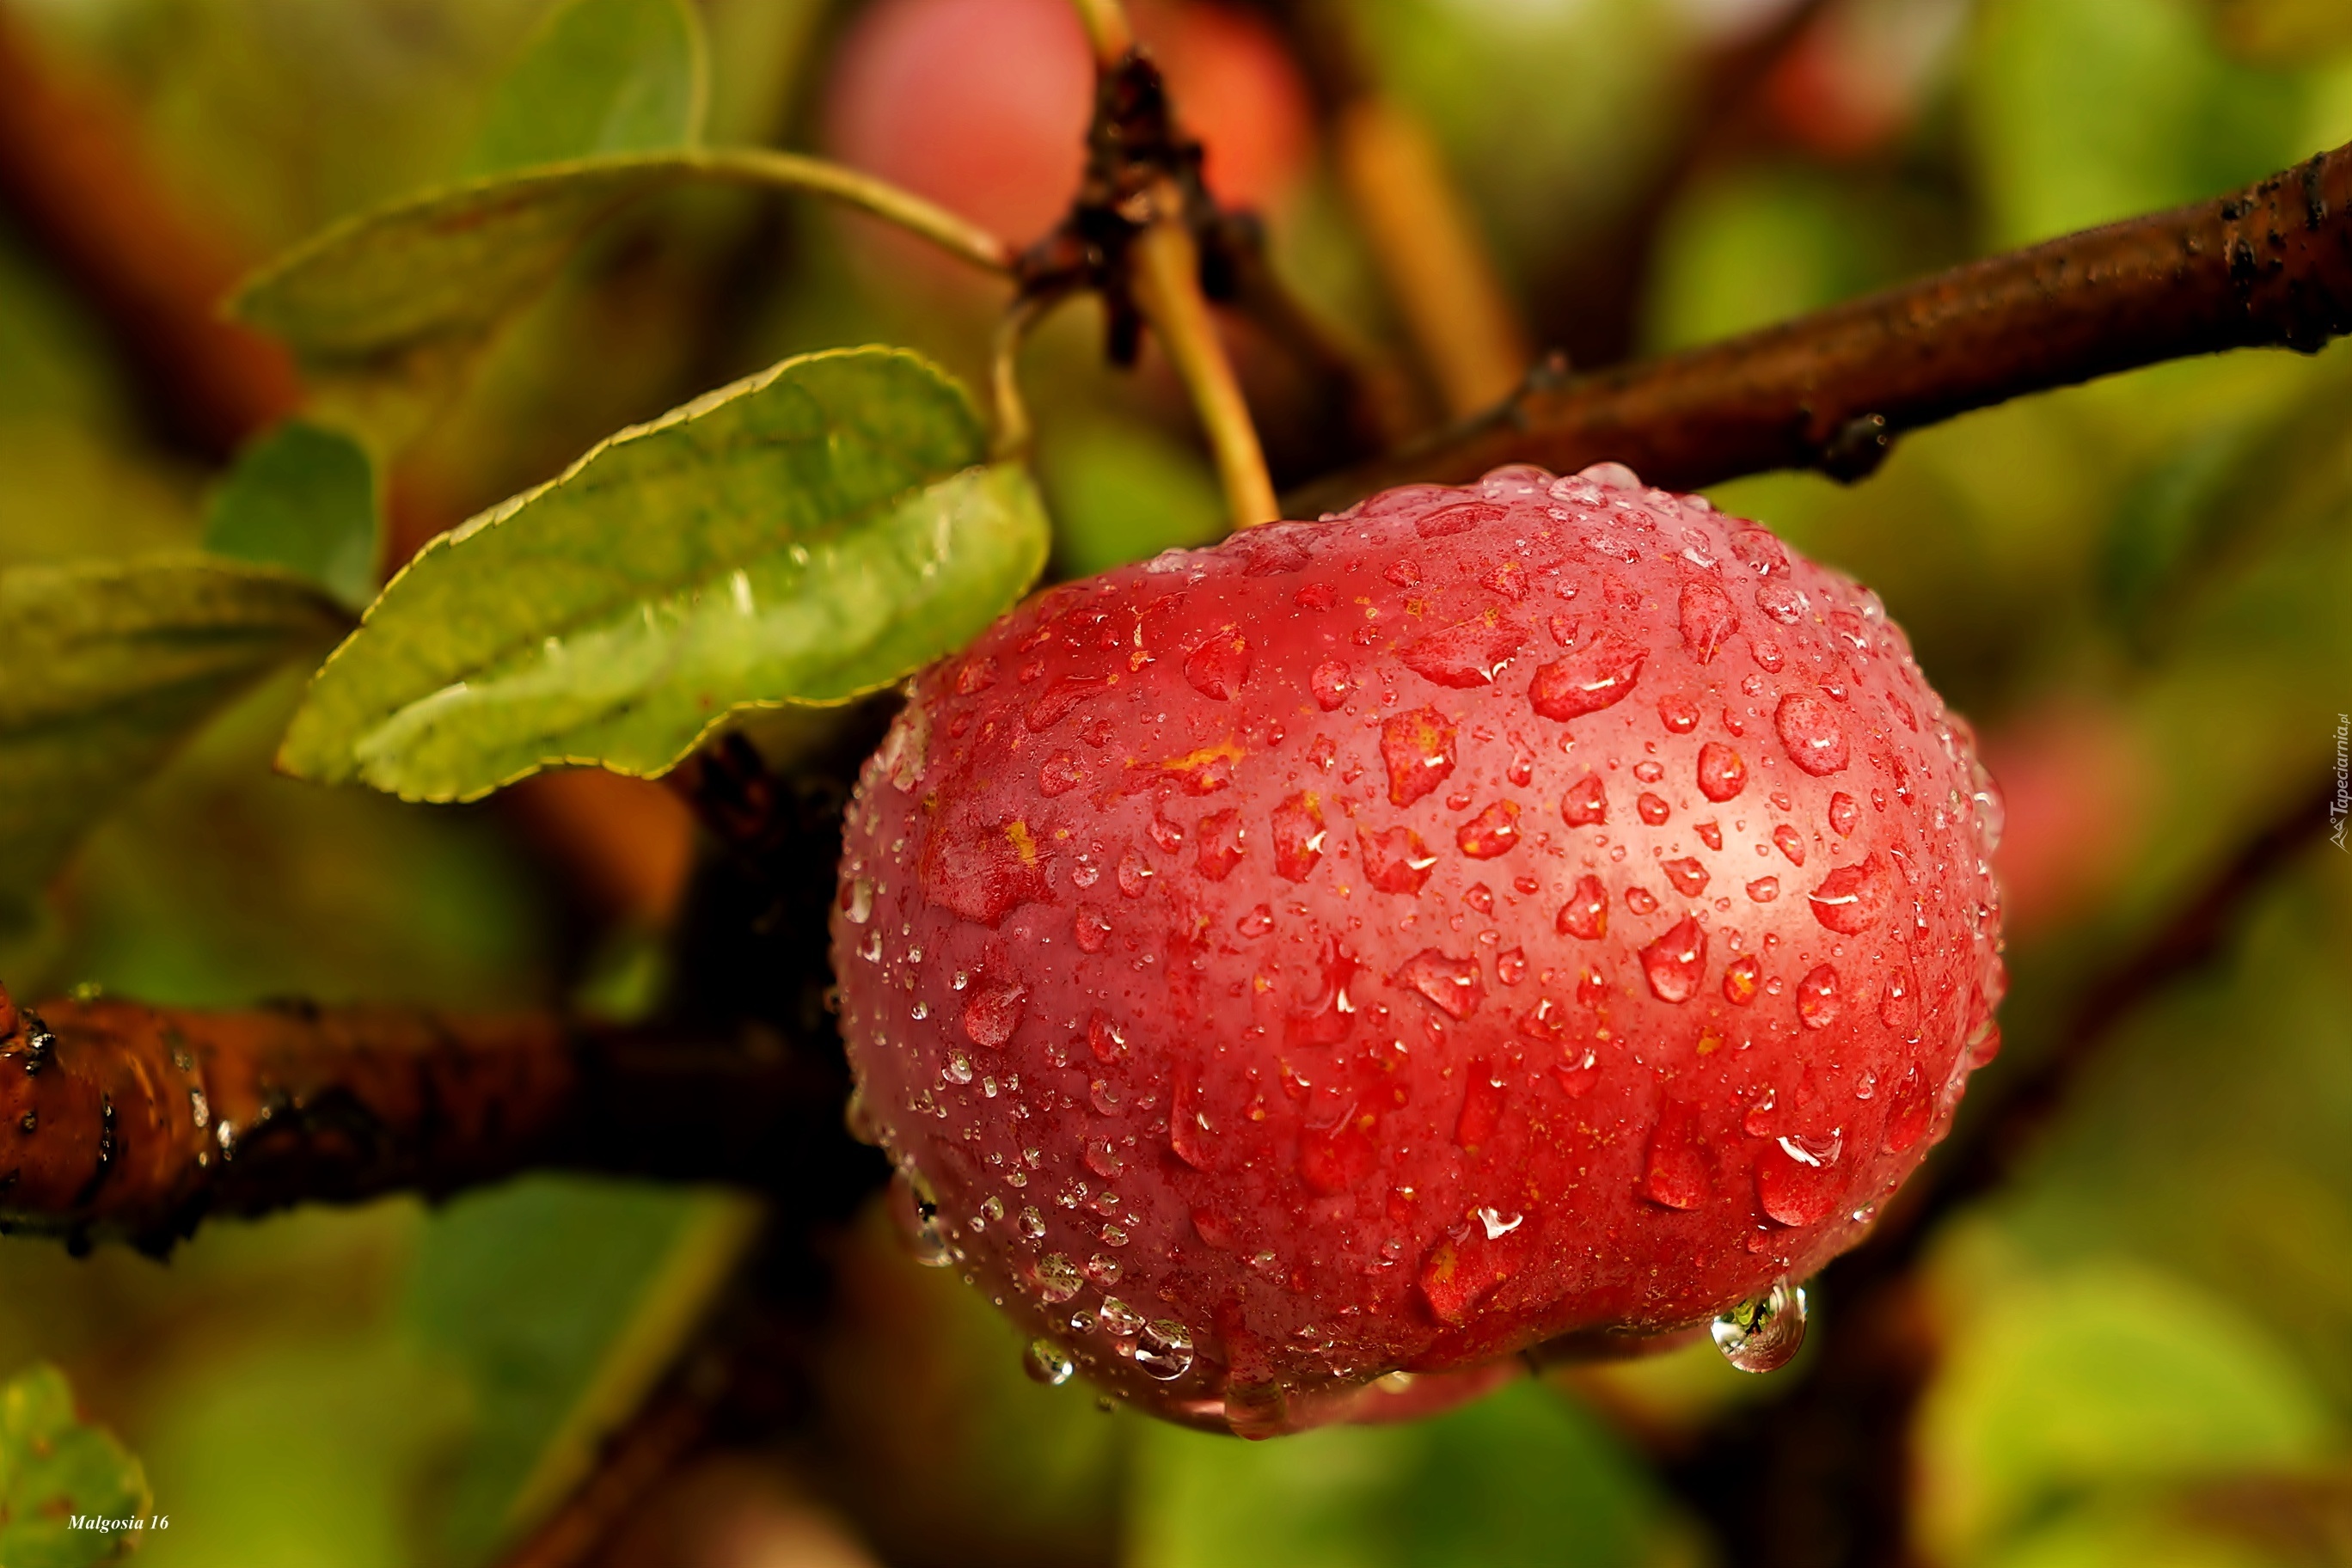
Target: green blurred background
{"points": [[2141, 591]]}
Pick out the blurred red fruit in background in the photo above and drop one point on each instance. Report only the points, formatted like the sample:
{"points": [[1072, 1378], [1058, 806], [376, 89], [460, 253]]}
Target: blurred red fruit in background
{"points": [[983, 104]]}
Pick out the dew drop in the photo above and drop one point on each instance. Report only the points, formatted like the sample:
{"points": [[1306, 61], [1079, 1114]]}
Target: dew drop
{"points": [[1395, 861], [915, 1209], [1494, 831], [1418, 750], [1790, 843], [1741, 978], [1708, 619], [1764, 890], [1641, 901], [1298, 835], [1584, 803], [1452, 984], [1675, 1170], [1258, 921], [1678, 711], [1653, 808], [1688, 875], [1764, 1334], [1818, 1004], [1467, 654], [1090, 928], [1843, 814], [1057, 1278], [1163, 1349], [1331, 685], [1722, 773], [1217, 667], [1672, 963], [1591, 677], [1048, 1364], [1586, 913], [1810, 729], [857, 900]]}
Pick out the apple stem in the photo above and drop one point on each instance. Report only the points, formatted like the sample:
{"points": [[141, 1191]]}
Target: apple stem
{"points": [[958, 236], [1109, 32], [1168, 287]]}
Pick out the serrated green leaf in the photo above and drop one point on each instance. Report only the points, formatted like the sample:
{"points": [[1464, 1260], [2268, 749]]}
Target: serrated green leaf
{"points": [[560, 1301], [56, 1472], [301, 497], [815, 532], [104, 669], [603, 76]]}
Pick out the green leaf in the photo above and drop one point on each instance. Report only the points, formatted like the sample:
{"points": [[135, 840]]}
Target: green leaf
{"points": [[603, 76], [2108, 1376], [1522, 1478], [53, 1469], [389, 309], [301, 497], [561, 1302], [105, 668], [815, 532]]}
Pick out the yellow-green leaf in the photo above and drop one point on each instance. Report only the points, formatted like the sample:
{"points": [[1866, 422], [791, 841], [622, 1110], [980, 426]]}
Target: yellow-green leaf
{"points": [[814, 531], [69, 1494], [105, 668], [603, 76]]}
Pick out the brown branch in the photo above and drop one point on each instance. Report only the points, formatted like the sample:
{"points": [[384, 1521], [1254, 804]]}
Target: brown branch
{"points": [[74, 176], [124, 1122], [2270, 267]]}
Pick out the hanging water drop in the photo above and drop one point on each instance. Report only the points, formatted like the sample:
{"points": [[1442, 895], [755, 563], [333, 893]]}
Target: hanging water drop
{"points": [[1764, 1334]]}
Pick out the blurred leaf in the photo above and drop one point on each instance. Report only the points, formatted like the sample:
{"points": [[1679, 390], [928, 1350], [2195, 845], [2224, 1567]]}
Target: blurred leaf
{"points": [[301, 497], [2282, 32], [389, 308], [603, 76], [2224, 499], [1761, 244], [52, 1467], [1123, 491], [2107, 1376], [106, 669], [2084, 112], [814, 531], [290, 1449], [1522, 1478], [561, 1302]]}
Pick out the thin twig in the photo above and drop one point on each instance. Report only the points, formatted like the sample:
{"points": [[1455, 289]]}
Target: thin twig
{"points": [[1168, 287], [1010, 440], [2270, 267], [1108, 33], [960, 236]]}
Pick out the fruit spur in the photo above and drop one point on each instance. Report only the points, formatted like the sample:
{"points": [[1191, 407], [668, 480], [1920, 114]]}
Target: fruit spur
{"points": [[1292, 977]]}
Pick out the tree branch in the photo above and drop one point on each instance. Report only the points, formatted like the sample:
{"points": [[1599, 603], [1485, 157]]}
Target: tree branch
{"points": [[2270, 267], [124, 1122]]}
